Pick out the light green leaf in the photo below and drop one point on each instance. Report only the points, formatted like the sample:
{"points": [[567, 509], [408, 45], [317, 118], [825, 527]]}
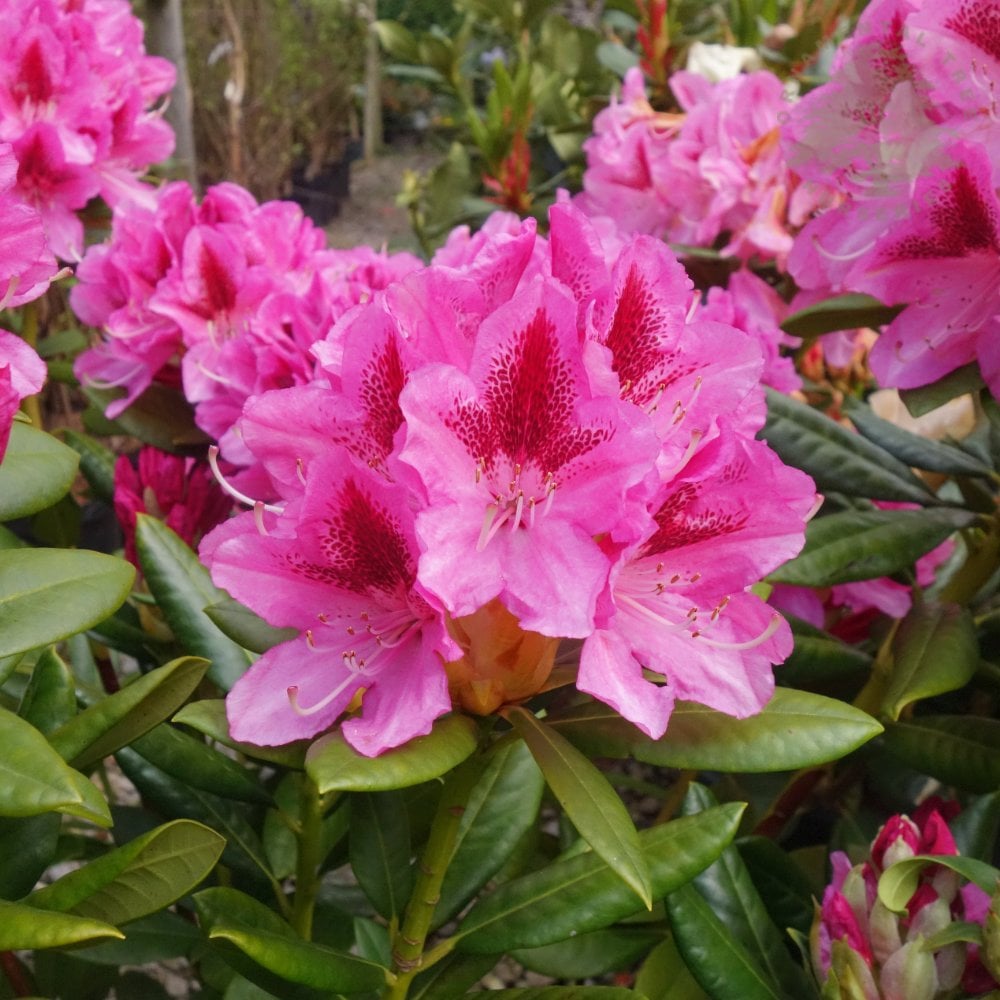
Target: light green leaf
{"points": [[183, 589], [665, 976], [49, 700], [246, 628], [144, 876], [935, 650], [336, 766], [209, 717], [121, 718], [36, 471], [588, 799], [838, 459], [899, 882], [863, 545], [796, 729], [34, 779], [960, 750], [23, 926], [582, 893], [50, 594]]}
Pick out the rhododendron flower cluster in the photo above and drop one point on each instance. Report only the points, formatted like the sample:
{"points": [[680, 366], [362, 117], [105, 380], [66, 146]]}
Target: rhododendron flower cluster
{"points": [[874, 954], [26, 268], [225, 297], [76, 97], [539, 433], [715, 172], [907, 132]]}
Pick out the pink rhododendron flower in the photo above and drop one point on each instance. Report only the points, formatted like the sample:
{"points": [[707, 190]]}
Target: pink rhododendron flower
{"points": [[179, 491], [22, 373], [542, 435], [856, 938]]}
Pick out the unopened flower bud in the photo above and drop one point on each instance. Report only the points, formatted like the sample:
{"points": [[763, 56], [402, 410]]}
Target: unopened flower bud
{"points": [[989, 954], [910, 974]]}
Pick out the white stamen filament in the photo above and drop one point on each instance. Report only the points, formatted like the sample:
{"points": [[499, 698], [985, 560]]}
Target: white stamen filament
{"points": [[696, 437], [293, 696], [213, 461], [653, 616], [12, 284], [214, 376], [518, 511], [853, 255], [258, 518], [772, 627]]}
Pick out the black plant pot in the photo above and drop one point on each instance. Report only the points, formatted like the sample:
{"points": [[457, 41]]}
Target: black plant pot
{"points": [[322, 194]]}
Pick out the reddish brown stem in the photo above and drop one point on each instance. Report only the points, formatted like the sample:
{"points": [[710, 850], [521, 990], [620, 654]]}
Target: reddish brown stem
{"points": [[16, 974]]}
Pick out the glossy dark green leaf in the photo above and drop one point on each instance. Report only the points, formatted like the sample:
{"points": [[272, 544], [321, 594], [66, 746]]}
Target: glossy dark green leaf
{"points": [[842, 312], [49, 700], [977, 827], [582, 893], [23, 926], [336, 766], [144, 876], [58, 526], [122, 632], [781, 883], [174, 798], [796, 729], [912, 449], [719, 963], [503, 807], [380, 850], [190, 760], [838, 459], [588, 800], [232, 918], [929, 397], [183, 589], [451, 977], [665, 976], [596, 953], [156, 938], [209, 717], [568, 993], [27, 847], [960, 750], [123, 717], [733, 899], [97, 463], [818, 657], [37, 470], [161, 416], [244, 627], [373, 941], [34, 779], [863, 545], [49, 594], [899, 882], [934, 650]]}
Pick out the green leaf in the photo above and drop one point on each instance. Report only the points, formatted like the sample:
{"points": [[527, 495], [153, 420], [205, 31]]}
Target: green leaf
{"points": [[838, 459], [568, 993], [231, 918], [596, 953], [451, 977], [189, 759], [842, 312], [23, 926], [49, 594], [977, 827], [34, 779], [124, 716], [245, 628], [380, 850], [582, 893], [588, 799], [819, 656], [37, 470], [960, 750], [720, 964], [161, 416], [144, 876], [930, 397], [783, 886], [501, 810], [862, 545], [664, 975], [209, 717], [796, 729], [398, 41], [912, 449], [336, 766], [97, 463], [49, 700], [27, 847], [155, 938], [899, 882], [183, 589], [935, 650], [733, 898]]}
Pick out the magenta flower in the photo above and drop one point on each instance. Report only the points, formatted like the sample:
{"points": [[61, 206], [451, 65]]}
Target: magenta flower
{"points": [[339, 564], [179, 491], [22, 373]]}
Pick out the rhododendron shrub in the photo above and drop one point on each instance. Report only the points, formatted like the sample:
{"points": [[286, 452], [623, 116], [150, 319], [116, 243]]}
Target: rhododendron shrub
{"points": [[77, 96], [558, 435], [906, 132]]}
